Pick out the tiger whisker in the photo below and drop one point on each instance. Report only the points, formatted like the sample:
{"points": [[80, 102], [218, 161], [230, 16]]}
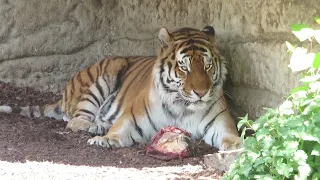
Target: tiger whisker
{"points": [[226, 93], [222, 103]]}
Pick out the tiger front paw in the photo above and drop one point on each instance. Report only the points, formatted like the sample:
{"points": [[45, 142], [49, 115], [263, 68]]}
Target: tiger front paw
{"points": [[104, 141], [230, 142]]}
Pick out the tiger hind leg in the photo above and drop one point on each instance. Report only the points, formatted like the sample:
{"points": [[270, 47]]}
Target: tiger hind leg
{"points": [[87, 115], [84, 122], [84, 117]]}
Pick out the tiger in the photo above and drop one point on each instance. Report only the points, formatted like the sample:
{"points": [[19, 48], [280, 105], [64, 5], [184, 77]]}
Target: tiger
{"points": [[125, 100]]}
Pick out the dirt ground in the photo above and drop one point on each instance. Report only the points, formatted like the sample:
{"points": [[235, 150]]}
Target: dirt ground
{"points": [[29, 145]]}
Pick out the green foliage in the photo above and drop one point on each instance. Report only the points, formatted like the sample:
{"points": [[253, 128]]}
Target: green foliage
{"points": [[317, 19], [286, 143]]}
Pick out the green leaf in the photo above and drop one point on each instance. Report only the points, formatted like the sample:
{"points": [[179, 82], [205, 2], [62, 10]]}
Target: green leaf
{"points": [[316, 61], [301, 60], [243, 133], [294, 123], [264, 177], [314, 87], [246, 168], [290, 47], [284, 132], [300, 156], [312, 107], [250, 143], [283, 169], [291, 144], [317, 19], [235, 177], [310, 78], [316, 119], [316, 176], [286, 108], [256, 126], [308, 146], [316, 35], [301, 31], [308, 137], [268, 142], [262, 133], [300, 88], [299, 27], [316, 150], [258, 162], [305, 101], [317, 161], [304, 170], [243, 121]]}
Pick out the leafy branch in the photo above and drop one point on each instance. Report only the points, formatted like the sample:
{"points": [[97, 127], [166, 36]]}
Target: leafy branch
{"points": [[286, 142]]}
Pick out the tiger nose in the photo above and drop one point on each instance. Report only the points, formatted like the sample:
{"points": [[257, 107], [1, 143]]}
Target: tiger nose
{"points": [[200, 93]]}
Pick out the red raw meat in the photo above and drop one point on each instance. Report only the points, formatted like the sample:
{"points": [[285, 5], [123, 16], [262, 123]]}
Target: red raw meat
{"points": [[170, 143]]}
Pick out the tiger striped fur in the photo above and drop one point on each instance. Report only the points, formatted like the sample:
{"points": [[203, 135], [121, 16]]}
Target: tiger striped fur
{"points": [[125, 100]]}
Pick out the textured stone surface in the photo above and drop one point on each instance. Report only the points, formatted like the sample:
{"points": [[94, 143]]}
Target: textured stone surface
{"points": [[42, 42], [221, 161]]}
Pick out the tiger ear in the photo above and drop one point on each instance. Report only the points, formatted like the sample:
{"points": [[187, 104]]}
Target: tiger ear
{"points": [[164, 38], [209, 30]]}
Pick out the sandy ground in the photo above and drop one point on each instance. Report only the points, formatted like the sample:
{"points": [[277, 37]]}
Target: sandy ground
{"points": [[41, 148]]}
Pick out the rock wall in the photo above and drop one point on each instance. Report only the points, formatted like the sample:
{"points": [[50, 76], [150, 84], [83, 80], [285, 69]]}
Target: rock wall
{"points": [[43, 42]]}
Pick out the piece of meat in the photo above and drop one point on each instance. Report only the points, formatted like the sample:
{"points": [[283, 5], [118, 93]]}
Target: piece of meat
{"points": [[170, 143]]}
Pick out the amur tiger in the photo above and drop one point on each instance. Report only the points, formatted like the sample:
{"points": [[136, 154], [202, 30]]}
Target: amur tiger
{"points": [[126, 100]]}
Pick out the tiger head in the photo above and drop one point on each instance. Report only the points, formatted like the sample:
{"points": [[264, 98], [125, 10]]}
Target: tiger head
{"points": [[190, 68]]}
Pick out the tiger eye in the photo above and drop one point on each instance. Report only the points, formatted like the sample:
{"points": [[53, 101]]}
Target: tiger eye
{"points": [[184, 68], [207, 67]]}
